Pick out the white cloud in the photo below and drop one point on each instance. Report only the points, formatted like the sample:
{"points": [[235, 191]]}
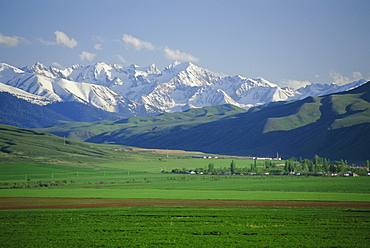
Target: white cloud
{"points": [[98, 47], [88, 56], [137, 43], [56, 64], [98, 39], [120, 58], [342, 80], [357, 75], [295, 84], [61, 39], [13, 41], [338, 78], [178, 55]]}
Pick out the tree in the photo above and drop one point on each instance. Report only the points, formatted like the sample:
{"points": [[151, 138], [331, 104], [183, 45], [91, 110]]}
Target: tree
{"points": [[211, 167], [290, 165], [305, 165], [310, 166], [254, 166], [232, 167], [325, 165], [316, 160]]}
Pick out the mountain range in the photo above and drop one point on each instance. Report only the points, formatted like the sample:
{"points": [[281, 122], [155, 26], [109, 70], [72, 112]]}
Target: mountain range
{"points": [[335, 126], [147, 91], [190, 108]]}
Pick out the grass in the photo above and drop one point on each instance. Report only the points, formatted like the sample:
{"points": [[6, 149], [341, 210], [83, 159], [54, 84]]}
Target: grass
{"points": [[169, 164], [308, 113], [105, 173], [186, 227], [129, 173], [352, 110], [172, 186], [137, 125], [26, 142], [105, 192]]}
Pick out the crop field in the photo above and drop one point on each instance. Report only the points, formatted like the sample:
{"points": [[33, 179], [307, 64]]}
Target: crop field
{"points": [[131, 200], [115, 169], [186, 227]]}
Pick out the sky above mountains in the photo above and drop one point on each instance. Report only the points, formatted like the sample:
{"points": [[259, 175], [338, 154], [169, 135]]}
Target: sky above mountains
{"points": [[288, 42]]}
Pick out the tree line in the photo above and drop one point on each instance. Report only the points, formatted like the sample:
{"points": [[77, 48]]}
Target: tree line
{"points": [[323, 166], [314, 166]]}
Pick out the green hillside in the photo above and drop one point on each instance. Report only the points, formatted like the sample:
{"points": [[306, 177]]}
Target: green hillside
{"points": [[26, 142], [90, 131], [20, 113], [335, 126]]}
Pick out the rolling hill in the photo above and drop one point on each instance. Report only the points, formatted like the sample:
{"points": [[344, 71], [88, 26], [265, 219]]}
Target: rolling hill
{"points": [[335, 126], [163, 123], [27, 142], [18, 112]]}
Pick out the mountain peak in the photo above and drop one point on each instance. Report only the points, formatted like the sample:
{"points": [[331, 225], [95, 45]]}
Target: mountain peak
{"points": [[39, 69], [174, 64], [177, 67], [5, 66], [179, 84], [152, 69], [102, 66]]}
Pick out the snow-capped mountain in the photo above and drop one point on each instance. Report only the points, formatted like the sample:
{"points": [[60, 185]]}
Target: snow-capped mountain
{"points": [[136, 90], [325, 89], [41, 85]]}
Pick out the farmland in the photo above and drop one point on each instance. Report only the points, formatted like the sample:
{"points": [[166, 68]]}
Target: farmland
{"points": [[186, 226], [66, 193], [131, 203]]}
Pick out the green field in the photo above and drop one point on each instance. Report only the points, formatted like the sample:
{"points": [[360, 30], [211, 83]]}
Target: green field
{"points": [[140, 180], [56, 193], [143, 179], [186, 227]]}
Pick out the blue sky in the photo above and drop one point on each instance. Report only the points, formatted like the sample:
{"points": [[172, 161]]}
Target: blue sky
{"points": [[288, 42]]}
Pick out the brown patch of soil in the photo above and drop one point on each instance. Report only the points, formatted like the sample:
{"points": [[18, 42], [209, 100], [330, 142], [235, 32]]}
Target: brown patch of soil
{"points": [[42, 203]]}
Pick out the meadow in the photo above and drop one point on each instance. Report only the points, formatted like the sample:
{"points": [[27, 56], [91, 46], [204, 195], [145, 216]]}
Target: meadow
{"points": [[127, 197], [185, 227]]}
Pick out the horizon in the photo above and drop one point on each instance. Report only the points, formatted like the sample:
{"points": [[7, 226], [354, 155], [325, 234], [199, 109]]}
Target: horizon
{"points": [[288, 43], [175, 63]]}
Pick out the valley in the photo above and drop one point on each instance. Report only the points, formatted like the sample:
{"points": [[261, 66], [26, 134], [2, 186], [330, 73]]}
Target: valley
{"points": [[181, 148], [334, 126], [96, 191]]}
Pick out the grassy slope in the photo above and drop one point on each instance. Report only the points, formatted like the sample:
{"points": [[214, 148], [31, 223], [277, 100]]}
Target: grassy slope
{"points": [[138, 125], [131, 180], [18, 112], [19, 141], [334, 126]]}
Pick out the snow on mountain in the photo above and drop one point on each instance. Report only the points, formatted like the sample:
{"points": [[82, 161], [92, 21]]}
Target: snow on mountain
{"points": [[41, 70], [324, 89], [136, 90], [250, 92], [39, 100], [39, 81], [207, 95]]}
